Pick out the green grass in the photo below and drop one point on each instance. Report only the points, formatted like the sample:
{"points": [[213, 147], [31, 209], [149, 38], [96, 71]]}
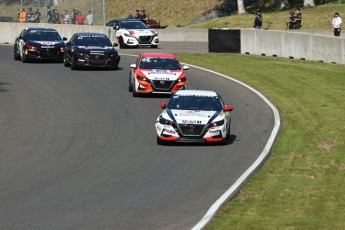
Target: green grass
{"points": [[302, 185]]}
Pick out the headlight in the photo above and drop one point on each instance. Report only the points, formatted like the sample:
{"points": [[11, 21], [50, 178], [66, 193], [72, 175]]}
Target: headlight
{"points": [[182, 79], [141, 78], [128, 35], [217, 123], [164, 121]]}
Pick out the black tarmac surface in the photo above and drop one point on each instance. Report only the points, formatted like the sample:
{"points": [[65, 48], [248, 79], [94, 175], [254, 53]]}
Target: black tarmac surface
{"points": [[77, 151]]}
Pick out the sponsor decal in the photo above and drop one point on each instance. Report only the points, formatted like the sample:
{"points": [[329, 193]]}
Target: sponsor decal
{"points": [[190, 122], [47, 43], [170, 132], [192, 114]]}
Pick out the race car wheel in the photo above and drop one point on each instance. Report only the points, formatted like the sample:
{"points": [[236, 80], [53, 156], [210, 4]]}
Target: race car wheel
{"points": [[66, 63], [24, 58], [130, 86], [159, 141], [154, 46], [73, 65], [134, 92], [122, 43], [15, 54]]}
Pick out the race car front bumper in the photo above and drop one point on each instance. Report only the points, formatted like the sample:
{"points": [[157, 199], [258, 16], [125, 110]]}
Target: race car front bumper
{"points": [[168, 133], [106, 61]]}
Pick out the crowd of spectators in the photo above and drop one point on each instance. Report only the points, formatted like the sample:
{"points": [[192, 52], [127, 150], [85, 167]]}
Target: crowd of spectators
{"points": [[54, 17], [140, 15]]}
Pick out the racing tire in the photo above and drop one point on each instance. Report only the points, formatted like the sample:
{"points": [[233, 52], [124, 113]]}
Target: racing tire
{"points": [[130, 86], [134, 92], [66, 63], [114, 68], [24, 57], [15, 55], [159, 141], [154, 46], [122, 43], [73, 65]]}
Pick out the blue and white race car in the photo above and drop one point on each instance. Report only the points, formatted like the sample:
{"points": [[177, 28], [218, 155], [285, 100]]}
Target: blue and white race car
{"points": [[35, 44], [194, 116]]}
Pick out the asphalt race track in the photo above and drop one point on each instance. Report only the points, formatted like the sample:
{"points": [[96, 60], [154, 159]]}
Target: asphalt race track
{"points": [[77, 151]]}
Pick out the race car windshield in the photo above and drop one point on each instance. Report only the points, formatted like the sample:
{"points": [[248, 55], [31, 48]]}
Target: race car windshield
{"points": [[93, 41], [133, 25], [43, 35], [195, 103], [160, 63]]}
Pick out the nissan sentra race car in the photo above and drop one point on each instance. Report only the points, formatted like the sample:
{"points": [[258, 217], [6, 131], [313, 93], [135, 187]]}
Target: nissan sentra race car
{"points": [[134, 33], [194, 116], [91, 50], [157, 73], [39, 44]]}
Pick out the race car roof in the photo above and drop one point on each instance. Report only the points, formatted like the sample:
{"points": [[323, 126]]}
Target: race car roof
{"points": [[161, 55], [202, 93], [91, 34], [40, 28]]}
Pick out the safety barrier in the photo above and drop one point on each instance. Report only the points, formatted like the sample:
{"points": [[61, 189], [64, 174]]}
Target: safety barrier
{"points": [[289, 44]]}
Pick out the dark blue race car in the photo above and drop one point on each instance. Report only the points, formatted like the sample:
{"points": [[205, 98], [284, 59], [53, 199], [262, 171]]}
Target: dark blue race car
{"points": [[91, 50], [39, 44]]}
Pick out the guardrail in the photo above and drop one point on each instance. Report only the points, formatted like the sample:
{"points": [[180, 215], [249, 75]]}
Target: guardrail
{"points": [[308, 45]]}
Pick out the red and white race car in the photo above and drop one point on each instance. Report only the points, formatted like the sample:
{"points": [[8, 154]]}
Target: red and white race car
{"points": [[157, 73]]}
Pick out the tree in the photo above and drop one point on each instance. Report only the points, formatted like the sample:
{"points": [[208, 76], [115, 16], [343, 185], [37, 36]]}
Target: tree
{"points": [[309, 3], [241, 9]]}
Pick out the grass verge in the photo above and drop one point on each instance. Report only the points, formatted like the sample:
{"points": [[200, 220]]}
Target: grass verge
{"points": [[301, 185]]}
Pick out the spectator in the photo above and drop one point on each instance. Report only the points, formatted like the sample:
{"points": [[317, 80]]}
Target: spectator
{"points": [[22, 15], [292, 20], [298, 19], [137, 14], [130, 15], [336, 24], [36, 18], [49, 15], [79, 19], [258, 20], [56, 17], [29, 15], [143, 16], [66, 17], [89, 18]]}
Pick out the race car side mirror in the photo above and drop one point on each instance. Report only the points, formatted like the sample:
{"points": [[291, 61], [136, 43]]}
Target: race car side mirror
{"points": [[133, 66], [115, 45], [185, 67], [64, 39], [163, 105], [228, 108], [116, 27]]}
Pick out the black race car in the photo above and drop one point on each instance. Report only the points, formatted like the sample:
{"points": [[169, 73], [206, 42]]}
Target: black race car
{"points": [[39, 44], [91, 50]]}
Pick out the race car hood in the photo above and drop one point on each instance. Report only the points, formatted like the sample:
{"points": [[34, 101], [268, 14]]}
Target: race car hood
{"points": [[192, 116], [142, 32], [46, 44], [159, 74], [96, 50]]}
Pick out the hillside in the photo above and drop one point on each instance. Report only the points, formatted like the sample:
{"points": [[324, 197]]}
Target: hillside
{"points": [[180, 13]]}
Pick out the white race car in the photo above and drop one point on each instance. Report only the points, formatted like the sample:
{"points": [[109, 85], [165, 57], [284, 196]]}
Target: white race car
{"points": [[157, 73], [134, 33], [194, 116]]}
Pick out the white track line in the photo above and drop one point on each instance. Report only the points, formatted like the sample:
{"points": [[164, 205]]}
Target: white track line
{"points": [[236, 186]]}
